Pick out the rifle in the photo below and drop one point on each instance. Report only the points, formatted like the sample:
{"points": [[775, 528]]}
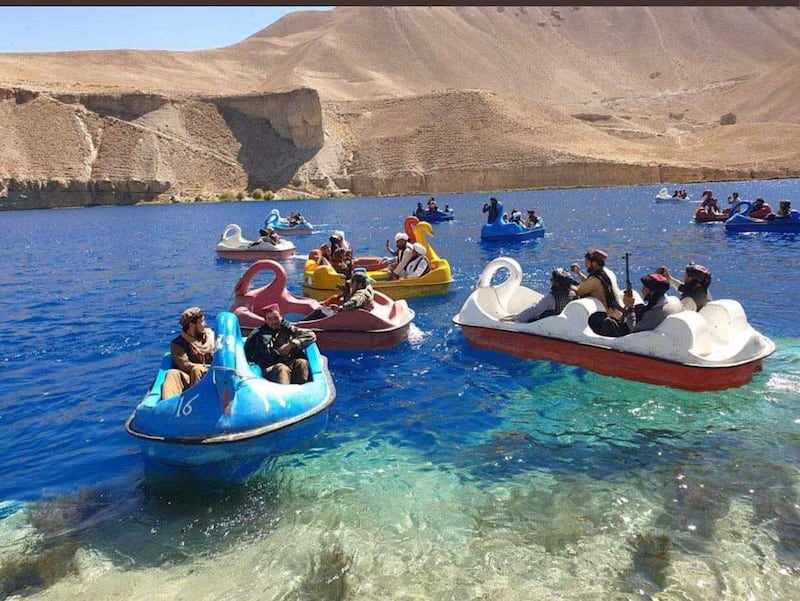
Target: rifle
{"points": [[628, 273]]}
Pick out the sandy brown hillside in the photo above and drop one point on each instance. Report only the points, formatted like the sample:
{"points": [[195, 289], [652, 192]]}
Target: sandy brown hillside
{"points": [[413, 99]]}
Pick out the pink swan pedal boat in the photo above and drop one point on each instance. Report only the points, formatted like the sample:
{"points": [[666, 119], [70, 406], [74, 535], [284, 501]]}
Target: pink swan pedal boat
{"points": [[232, 245], [713, 349], [385, 326]]}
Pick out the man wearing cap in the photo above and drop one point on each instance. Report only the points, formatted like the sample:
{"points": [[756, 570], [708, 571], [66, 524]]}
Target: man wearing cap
{"points": [[418, 265], [562, 291], [277, 348], [324, 254], [694, 288], [656, 308], [337, 240], [361, 293], [600, 282], [397, 264], [192, 351]]}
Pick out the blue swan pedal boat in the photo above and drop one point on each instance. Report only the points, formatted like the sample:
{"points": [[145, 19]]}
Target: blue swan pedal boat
{"points": [[226, 425], [436, 216], [501, 230], [740, 221], [282, 226]]}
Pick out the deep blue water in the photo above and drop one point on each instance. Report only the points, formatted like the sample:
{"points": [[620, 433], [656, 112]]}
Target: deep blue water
{"points": [[90, 300]]}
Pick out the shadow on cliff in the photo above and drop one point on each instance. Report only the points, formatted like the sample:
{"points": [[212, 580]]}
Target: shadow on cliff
{"points": [[270, 160]]}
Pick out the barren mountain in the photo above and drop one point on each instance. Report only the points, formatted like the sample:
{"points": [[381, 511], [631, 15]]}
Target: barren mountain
{"points": [[386, 100]]}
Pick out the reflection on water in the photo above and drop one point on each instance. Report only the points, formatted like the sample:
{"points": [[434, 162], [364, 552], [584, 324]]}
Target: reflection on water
{"points": [[447, 472]]}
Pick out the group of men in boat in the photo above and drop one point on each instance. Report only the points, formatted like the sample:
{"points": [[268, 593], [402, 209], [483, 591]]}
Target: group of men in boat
{"points": [[760, 208], [277, 347], [407, 260], [621, 315], [493, 209], [433, 206]]}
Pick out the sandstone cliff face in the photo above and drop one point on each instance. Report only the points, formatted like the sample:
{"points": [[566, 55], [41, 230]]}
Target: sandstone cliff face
{"points": [[391, 100], [130, 148]]}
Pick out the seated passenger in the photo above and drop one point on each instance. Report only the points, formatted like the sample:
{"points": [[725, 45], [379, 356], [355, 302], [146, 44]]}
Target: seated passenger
{"points": [[710, 207], [267, 235], [278, 346], [600, 282], [396, 265], [418, 265], [516, 216], [324, 254], [447, 208], [760, 209], [694, 288], [562, 291], [361, 293], [532, 219], [339, 262], [733, 198], [419, 210], [192, 351], [656, 307], [337, 240], [784, 210]]}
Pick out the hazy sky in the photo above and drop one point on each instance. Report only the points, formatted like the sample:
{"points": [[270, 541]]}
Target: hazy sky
{"points": [[61, 28]]}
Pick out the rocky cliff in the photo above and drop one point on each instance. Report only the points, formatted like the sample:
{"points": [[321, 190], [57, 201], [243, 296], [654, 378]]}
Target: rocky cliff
{"points": [[393, 100], [137, 147]]}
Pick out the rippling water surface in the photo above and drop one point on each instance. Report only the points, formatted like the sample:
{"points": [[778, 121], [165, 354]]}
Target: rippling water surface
{"points": [[446, 472]]}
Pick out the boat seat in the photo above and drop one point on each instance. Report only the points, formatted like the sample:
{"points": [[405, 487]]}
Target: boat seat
{"points": [[725, 318], [686, 331], [577, 312]]}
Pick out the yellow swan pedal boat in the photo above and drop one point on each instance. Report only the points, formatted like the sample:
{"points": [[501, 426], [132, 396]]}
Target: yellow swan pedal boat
{"points": [[322, 281]]}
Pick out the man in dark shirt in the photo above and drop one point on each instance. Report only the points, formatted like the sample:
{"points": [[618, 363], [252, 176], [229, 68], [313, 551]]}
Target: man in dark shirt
{"points": [[277, 348]]}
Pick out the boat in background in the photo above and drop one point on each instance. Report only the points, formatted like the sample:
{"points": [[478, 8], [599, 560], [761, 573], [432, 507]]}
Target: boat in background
{"points": [[436, 216], [232, 245], [509, 230], [740, 221], [664, 196], [224, 427], [284, 226], [385, 326], [713, 349], [708, 211], [322, 281]]}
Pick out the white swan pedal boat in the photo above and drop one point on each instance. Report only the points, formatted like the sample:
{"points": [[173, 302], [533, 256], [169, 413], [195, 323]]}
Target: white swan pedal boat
{"points": [[232, 245], [664, 196], [713, 349]]}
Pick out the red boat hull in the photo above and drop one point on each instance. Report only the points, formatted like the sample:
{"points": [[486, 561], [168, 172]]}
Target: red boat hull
{"points": [[255, 255], [706, 218], [610, 362]]}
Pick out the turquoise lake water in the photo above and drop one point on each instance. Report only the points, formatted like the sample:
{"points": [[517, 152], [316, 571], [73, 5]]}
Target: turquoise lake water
{"points": [[446, 472]]}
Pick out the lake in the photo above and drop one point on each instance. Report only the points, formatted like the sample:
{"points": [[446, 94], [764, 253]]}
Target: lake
{"points": [[446, 472]]}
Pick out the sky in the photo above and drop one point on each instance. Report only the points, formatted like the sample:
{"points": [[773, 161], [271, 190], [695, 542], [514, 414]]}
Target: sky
{"points": [[65, 28]]}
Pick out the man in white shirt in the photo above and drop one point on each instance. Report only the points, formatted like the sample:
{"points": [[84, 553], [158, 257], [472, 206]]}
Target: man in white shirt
{"points": [[419, 264]]}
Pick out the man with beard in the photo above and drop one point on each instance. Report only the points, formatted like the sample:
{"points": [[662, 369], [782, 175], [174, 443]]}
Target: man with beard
{"points": [[192, 351]]}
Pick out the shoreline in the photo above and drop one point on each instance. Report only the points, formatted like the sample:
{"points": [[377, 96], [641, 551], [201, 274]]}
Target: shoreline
{"points": [[284, 194]]}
